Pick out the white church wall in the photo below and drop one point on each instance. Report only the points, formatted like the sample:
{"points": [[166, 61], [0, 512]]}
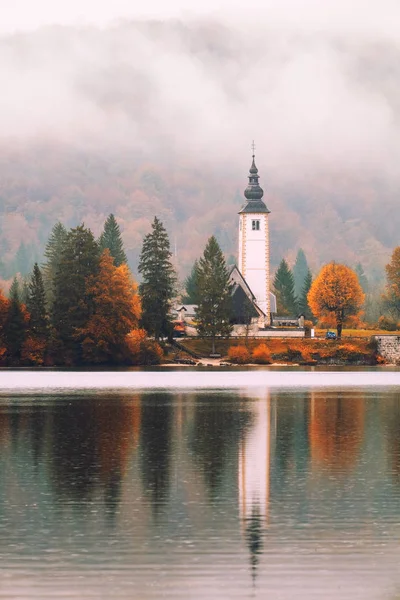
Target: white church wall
{"points": [[254, 256]]}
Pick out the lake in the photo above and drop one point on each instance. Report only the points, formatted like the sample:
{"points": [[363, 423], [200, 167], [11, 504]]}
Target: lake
{"points": [[264, 483]]}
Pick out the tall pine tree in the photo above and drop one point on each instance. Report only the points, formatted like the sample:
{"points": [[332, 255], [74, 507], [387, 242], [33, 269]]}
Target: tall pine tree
{"points": [[214, 294], [15, 326], [158, 281], [284, 290], [72, 305], [36, 305], [54, 248], [303, 300], [300, 271], [111, 239], [191, 286]]}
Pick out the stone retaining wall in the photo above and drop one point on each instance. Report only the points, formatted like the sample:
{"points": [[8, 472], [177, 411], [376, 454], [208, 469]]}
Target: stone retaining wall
{"points": [[389, 348]]}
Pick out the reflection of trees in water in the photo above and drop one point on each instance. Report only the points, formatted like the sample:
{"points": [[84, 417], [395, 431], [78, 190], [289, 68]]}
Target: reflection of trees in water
{"points": [[219, 425], [73, 459], [254, 532], [291, 445], [392, 416], [91, 439], [336, 428], [155, 437]]}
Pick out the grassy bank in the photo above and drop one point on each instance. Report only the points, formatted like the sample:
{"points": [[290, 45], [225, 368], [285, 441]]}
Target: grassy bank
{"points": [[297, 350]]}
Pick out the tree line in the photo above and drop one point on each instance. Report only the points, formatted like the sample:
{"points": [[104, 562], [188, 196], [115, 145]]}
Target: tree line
{"points": [[83, 307]]}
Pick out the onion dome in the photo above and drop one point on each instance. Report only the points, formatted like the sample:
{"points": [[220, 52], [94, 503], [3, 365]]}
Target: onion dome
{"points": [[254, 193], [253, 190]]}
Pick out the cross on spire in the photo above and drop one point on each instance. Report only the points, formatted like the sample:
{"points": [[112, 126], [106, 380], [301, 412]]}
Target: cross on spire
{"points": [[253, 147]]}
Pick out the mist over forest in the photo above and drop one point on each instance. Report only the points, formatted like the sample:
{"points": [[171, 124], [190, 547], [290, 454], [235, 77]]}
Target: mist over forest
{"points": [[146, 118]]}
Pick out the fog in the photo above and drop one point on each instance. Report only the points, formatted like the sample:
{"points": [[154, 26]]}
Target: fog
{"points": [[318, 89]]}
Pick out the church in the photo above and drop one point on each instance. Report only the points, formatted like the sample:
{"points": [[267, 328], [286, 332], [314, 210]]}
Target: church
{"points": [[251, 277], [253, 304]]}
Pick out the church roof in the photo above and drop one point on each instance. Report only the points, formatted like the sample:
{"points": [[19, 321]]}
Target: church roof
{"points": [[254, 193]]}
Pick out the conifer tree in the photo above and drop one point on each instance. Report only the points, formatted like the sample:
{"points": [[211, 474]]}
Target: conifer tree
{"points": [[15, 325], [52, 253], [284, 289], [72, 306], [191, 286], [36, 305], [111, 239], [159, 280], [300, 271], [214, 294], [304, 307]]}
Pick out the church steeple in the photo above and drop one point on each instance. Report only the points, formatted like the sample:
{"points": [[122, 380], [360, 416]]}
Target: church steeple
{"points": [[254, 192]]}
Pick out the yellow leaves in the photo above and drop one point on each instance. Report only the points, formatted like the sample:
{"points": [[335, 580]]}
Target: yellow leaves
{"points": [[116, 311], [239, 355], [335, 290]]}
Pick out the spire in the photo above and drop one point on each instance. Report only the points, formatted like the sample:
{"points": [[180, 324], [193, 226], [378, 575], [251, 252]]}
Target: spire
{"points": [[253, 190], [254, 193]]}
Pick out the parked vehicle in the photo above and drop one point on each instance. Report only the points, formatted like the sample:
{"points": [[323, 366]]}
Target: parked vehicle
{"points": [[330, 335]]}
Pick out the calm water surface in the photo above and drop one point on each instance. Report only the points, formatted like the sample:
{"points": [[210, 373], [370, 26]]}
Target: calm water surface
{"points": [[251, 491]]}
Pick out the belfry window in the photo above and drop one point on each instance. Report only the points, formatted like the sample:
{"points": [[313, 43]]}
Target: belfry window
{"points": [[255, 225]]}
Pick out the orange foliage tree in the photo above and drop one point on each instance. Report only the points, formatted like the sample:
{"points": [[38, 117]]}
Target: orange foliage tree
{"points": [[115, 312], [335, 292], [392, 295]]}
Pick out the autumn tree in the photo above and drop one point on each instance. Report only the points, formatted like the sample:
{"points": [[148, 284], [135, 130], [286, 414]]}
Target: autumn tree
{"points": [[284, 290], [191, 286], [53, 251], [15, 326], [336, 292], [115, 311], [300, 272], [72, 305], [111, 239], [158, 284], [392, 293], [214, 300]]}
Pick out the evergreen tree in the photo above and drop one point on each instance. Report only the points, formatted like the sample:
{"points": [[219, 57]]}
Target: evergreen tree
{"points": [[362, 278], [111, 239], [36, 305], [24, 290], [54, 248], [284, 289], [159, 280], [15, 325], [300, 271], [214, 307], [191, 286], [72, 305], [303, 299]]}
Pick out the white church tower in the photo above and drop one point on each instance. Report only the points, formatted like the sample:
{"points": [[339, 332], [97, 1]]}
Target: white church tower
{"points": [[254, 243]]}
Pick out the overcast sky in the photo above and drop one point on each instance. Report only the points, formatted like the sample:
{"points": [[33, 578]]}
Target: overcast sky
{"points": [[315, 82], [372, 16]]}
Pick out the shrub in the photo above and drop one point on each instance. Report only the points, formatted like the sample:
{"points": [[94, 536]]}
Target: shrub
{"points": [[239, 355], [261, 355], [141, 350]]}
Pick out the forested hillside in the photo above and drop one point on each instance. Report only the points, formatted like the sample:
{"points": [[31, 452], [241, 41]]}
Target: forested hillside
{"points": [[147, 119]]}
